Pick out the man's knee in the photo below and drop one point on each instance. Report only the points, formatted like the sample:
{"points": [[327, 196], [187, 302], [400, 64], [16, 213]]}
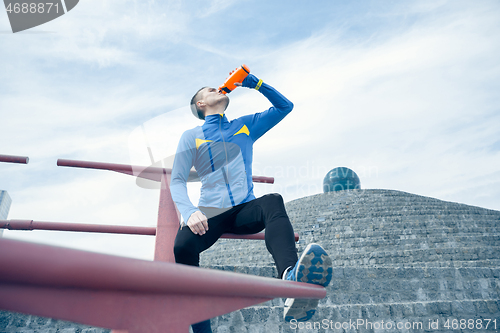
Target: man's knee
{"points": [[275, 200], [179, 250], [273, 207], [185, 253]]}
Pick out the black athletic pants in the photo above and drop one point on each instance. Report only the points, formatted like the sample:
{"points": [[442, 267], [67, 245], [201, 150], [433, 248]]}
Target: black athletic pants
{"points": [[267, 212]]}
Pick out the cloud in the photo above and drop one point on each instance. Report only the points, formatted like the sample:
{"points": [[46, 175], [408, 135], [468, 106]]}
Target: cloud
{"points": [[404, 94], [214, 6], [414, 105]]}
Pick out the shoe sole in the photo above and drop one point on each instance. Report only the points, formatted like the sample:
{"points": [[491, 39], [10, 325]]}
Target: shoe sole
{"points": [[315, 266], [300, 309]]}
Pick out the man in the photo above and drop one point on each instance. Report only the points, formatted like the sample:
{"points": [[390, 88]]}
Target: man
{"points": [[221, 152]]}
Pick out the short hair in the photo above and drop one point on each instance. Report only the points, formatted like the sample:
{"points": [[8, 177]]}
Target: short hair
{"points": [[197, 112]]}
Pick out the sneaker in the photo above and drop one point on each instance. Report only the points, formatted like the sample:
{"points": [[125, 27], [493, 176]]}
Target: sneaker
{"points": [[314, 266]]}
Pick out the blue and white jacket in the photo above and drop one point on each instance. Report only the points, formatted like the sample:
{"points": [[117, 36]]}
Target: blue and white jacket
{"points": [[221, 152]]}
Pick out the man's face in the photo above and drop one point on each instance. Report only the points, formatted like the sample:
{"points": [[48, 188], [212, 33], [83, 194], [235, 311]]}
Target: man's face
{"points": [[212, 97]]}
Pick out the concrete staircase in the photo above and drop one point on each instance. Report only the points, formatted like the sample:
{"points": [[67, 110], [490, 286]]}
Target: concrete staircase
{"points": [[402, 263], [381, 228], [399, 296]]}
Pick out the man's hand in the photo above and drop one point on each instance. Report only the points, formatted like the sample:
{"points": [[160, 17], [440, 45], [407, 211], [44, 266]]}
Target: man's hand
{"points": [[251, 81], [198, 223]]}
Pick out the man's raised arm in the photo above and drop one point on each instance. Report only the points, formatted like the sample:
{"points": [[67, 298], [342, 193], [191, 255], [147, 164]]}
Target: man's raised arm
{"points": [[264, 121]]}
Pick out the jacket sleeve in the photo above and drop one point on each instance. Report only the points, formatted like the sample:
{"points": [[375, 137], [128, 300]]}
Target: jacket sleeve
{"points": [[262, 122], [180, 171]]}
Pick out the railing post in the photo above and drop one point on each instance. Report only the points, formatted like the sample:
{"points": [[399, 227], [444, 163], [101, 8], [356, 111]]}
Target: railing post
{"points": [[168, 223], [14, 159]]}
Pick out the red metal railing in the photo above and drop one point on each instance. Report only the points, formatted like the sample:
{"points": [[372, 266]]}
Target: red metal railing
{"points": [[168, 215], [124, 294], [30, 225], [14, 159], [135, 296], [151, 172]]}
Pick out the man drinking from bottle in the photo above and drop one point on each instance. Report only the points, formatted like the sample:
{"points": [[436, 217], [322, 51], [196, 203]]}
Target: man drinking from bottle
{"points": [[221, 152]]}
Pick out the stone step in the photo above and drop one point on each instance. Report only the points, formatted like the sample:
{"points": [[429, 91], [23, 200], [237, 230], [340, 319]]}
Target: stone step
{"points": [[389, 212], [420, 252], [376, 198], [428, 238], [12, 322], [364, 285], [407, 242], [388, 209], [385, 285], [349, 257], [366, 243], [426, 257], [491, 263], [455, 263], [370, 229], [396, 222], [326, 201], [370, 232], [419, 255], [349, 238], [353, 261], [365, 227], [374, 219], [412, 256], [384, 317], [376, 203]]}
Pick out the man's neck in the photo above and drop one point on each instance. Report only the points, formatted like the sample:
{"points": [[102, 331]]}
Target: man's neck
{"points": [[214, 111]]}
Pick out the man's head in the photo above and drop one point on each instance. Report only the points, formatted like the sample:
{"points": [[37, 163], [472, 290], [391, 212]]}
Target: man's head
{"points": [[208, 101]]}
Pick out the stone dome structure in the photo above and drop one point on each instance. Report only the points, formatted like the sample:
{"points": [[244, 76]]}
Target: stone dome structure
{"points": [[340, 179], [399, 258]]}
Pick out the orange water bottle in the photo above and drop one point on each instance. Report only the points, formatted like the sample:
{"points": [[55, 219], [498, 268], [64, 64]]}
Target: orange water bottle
{"points": [[238, 75]]}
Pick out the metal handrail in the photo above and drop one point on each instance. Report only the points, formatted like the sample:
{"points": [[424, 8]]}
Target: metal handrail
{"points": [[30, 225], [150, 172], [45, 265], [14, 159]]}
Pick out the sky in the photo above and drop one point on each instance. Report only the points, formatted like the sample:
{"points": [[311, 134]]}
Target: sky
{"points": [[405, 93]]}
